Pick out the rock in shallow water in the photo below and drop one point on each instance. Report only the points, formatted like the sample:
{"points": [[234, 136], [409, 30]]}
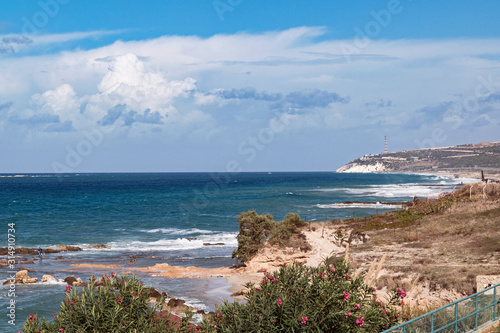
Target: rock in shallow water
{"points": [[22, 277], [47, 278]]}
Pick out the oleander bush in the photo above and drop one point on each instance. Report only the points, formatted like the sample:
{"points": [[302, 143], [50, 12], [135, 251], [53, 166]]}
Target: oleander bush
{"points": [[110, 304], [298, 298]]}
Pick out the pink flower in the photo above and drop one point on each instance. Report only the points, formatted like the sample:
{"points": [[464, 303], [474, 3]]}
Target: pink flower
{"points": [[360, 321], [346, 295], [118, 300], [218, 315], [357, 306], [322, 274], [348, 315], [401, 292], [347, 276], [31, 316], [331, 268], [112, 274], [271, 277], [61, 330], [303, 320], [279, 301]]}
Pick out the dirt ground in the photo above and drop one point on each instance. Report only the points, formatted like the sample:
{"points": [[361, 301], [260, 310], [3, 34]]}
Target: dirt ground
{"points": [[434, 255]]}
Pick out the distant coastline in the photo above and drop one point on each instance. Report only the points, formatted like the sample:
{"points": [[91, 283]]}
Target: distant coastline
{"points": [[467, 161]]}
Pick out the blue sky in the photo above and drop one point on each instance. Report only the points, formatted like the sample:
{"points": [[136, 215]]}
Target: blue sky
{"points": [[88, 86]]}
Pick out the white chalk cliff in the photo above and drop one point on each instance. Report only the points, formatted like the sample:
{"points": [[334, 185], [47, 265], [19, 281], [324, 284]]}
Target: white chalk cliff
{"points": [[359, 168]]}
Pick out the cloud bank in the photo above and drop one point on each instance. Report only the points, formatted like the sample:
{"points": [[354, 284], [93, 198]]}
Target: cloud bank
{"points": [[214, 92]]}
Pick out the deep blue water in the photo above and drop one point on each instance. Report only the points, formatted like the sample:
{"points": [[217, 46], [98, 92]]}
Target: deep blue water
{"points": [[150, 217]]}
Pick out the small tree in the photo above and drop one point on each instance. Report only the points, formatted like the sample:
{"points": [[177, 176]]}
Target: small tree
{"points": [[253, 233]]}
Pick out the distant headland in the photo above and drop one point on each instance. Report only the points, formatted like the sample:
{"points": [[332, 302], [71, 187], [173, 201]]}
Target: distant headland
{"points": [[463, 160]]}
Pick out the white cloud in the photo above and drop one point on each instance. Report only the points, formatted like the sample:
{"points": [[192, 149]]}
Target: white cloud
{"points": [[11, 44], [223, 87], [61, 101], [128, 82]]}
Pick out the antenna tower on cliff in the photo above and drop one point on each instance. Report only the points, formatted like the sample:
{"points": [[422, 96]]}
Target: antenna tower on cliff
{"points": [[385, 146]]}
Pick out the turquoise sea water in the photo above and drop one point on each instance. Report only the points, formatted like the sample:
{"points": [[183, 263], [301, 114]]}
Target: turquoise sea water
{"points": [[147, 219]]}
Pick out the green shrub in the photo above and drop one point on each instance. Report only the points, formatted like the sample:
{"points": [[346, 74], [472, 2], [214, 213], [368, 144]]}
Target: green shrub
{"points": [[308, 299], [254, 231], [111, 304], [284, 229]]}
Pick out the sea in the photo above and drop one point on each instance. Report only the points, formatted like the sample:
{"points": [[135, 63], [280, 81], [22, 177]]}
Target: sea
{"points": [[150, 218]]}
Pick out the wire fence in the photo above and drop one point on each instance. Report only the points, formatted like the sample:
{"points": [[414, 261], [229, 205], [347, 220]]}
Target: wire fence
{"points": [[465, 315]]}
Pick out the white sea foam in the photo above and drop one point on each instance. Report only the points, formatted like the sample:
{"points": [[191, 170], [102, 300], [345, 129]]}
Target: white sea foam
{"points": [[175, 231], [387, 191], [228, 238], [39, 283], [376, 205], [402, 190], [212, 237], [52, 282]]}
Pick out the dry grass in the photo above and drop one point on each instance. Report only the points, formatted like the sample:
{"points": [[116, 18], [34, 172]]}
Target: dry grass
{"points": [[413, 310], [447, 242]]}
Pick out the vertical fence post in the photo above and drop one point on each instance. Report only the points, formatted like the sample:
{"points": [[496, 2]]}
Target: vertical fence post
{"points": [[432, 322], [456, 317], [476, 313], [495, 303]]}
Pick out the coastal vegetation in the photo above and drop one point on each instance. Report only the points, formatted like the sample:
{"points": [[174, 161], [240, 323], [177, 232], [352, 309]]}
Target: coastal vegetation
{"points": [[255, 230], [298, 298], [109, 304]]}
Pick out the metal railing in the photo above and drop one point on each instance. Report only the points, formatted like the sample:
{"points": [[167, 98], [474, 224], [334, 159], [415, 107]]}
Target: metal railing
{"points": [[465, 315]]}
